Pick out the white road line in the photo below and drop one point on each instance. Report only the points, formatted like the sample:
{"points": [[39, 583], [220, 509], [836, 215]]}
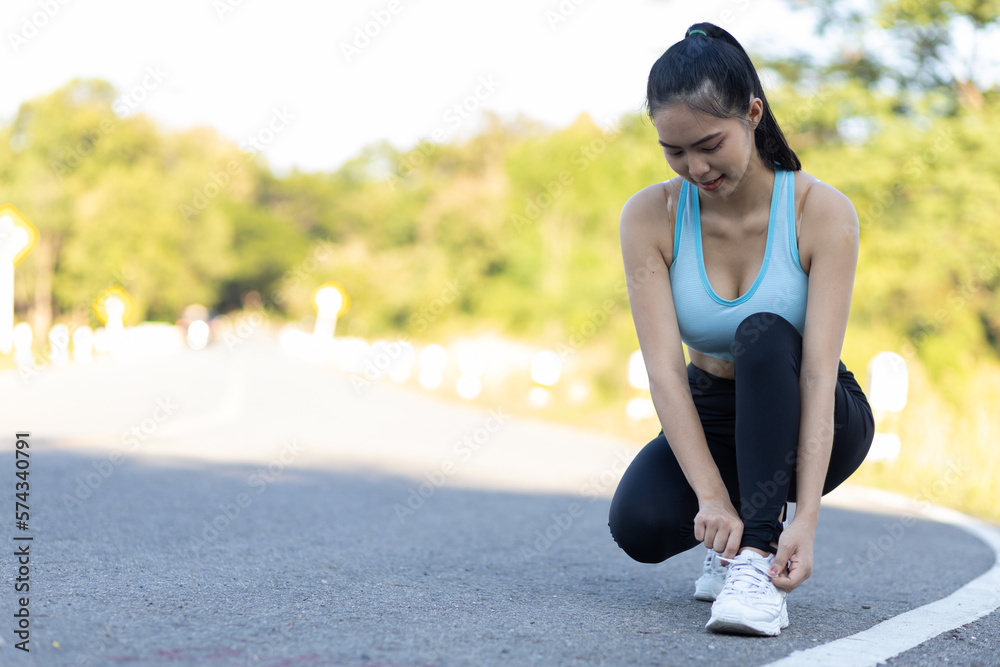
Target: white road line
{"points": [[889, 638]]}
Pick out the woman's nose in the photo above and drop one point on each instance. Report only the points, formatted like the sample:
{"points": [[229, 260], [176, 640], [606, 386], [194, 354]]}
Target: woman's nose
{"points": [[698, 167]]}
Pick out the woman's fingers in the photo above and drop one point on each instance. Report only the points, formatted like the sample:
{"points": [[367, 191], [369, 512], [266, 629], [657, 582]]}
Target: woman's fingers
{"points": [[733, 544], [793, 561], [721, 539], [720, 531], [794, 573], [790, 577], [711, 533]]}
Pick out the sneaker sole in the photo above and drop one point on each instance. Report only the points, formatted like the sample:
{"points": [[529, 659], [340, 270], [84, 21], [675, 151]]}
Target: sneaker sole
{"points": [[707, 592], [739, 626]]}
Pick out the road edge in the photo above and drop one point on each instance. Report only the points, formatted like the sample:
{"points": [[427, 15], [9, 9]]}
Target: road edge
{"points": [[873, 646]]}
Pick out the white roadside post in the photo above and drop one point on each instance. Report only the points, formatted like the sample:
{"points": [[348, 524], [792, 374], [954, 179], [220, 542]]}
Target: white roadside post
{"points": [[402, 364], [331, 302], [546, 367], [198, 334], [17, 238], [433, 359], [639, 407], [888, 383], [59, 345], [112, 308], [471, 367], [24, 356]]}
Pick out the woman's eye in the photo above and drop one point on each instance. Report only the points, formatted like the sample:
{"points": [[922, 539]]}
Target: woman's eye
{"points": [[707, 150]]}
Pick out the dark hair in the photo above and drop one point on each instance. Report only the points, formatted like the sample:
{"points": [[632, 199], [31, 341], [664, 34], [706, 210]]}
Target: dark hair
{"points": [[709, 71]]}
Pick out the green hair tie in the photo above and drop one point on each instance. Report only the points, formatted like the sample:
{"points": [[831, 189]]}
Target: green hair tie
{"points": [[694, 31]]}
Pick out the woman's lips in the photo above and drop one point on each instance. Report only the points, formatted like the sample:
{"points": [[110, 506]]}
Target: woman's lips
{"points": [[711, 185]]}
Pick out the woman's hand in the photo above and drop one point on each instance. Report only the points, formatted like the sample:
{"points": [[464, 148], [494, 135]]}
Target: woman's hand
{"points": [[718, 526], [794, 561]]}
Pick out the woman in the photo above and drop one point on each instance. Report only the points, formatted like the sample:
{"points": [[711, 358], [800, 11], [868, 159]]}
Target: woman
{"points": [[749, 262]]}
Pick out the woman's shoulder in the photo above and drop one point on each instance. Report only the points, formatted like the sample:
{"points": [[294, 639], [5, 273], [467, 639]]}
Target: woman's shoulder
{"points": [[816, 199], [816, 194], [824, 216], [654, 202], [648, 216]]}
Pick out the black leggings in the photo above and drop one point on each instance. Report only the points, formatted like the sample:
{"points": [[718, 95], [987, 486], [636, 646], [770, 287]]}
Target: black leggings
{"points": [[752, 428]]}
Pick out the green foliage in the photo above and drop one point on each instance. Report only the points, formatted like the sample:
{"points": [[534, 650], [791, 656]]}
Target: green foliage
{"points": [[523, 219]]}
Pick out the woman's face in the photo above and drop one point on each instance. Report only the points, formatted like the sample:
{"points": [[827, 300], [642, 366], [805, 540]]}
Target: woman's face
{"points": [[715, 154]]}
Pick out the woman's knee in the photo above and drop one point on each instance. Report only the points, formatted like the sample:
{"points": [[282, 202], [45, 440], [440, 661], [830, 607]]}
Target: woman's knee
{"points": [[645, 537], [652, 511], [762, 336]]}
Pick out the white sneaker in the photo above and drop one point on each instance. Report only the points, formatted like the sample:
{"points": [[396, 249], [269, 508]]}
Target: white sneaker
{"points": [[749, 604], [712, 578]]}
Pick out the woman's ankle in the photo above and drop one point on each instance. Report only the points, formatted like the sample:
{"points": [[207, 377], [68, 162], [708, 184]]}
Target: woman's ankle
{"points": [[757, 551]]}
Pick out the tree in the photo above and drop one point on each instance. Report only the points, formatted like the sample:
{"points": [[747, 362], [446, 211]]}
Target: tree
{"points": [[910, 47]]}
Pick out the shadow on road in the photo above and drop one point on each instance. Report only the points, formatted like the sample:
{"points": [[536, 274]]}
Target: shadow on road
{"points": [[187, 562]]}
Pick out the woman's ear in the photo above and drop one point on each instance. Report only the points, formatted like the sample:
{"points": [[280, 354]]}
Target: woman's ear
{"points": [[756, 112]]}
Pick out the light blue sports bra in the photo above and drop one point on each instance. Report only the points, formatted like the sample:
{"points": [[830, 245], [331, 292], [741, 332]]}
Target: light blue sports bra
{"points": [[707, 321]]}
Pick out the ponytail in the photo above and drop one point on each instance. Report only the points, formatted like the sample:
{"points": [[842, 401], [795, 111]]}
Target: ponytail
{"points": [[709, 71]]}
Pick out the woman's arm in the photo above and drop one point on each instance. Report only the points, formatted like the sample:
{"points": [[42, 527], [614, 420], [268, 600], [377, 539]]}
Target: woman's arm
{"points": [[829, 242], [642, 228]]}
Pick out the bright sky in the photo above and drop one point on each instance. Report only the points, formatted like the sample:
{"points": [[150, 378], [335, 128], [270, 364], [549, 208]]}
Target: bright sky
{"points": [[237, 64]]}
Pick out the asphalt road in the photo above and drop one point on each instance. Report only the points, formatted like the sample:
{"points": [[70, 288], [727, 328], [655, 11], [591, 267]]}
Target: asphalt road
{"points": [[242, 508]]}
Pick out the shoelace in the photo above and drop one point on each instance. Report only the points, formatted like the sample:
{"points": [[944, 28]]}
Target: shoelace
{"points": [[748, 575], [714, 563]]}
